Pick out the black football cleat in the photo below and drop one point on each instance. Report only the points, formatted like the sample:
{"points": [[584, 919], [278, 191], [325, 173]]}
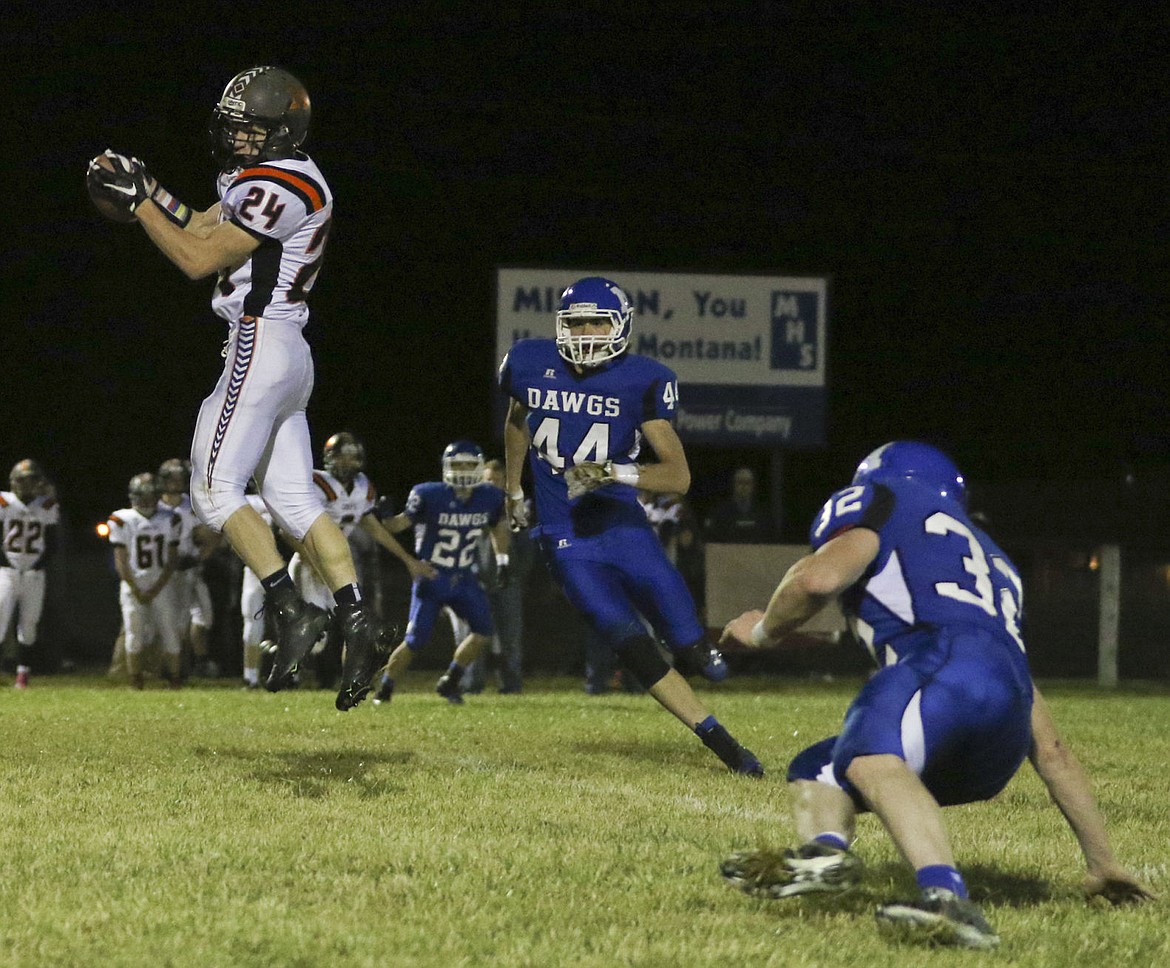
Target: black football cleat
{"points": [[365, 653], [448, 687], [298, 627]]}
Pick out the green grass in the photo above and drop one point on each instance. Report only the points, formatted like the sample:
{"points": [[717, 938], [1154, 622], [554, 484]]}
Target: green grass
{"points": [[215, 827]]}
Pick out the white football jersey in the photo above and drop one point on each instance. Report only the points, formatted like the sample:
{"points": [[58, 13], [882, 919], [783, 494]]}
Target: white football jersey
{"points": [[287, 206], [345, 506], [22, 527], [150, 541]]}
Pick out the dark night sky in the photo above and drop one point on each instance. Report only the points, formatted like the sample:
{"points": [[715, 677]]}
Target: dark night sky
{"points": [[986, 190]]}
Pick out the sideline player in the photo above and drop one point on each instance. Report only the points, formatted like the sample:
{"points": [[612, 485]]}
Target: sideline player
{"points": [[28, 527], [146, 538], [581, 407], [350, 498], [448, 518], [252, 606], [949, 717], [265, 238], [195, 546]]}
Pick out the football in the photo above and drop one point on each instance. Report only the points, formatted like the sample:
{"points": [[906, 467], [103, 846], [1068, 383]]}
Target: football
{"points": [[111, 211]]}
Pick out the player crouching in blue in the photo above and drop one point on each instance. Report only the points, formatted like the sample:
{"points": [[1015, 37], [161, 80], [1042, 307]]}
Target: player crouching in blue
{"points": [[581, 407], [448, 518], [949, 717]]}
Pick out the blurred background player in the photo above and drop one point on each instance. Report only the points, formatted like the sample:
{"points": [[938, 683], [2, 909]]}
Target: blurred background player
{"points": [[195, 546], [581, 407], [507, 603], [350, 498], [28, 529], [252, 607], [448, 517], [948, 718], [146, 538], [265, 239]]}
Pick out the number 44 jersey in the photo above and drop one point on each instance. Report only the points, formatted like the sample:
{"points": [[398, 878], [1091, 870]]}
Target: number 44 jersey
{"points": [[935, 570], [594, 415]]}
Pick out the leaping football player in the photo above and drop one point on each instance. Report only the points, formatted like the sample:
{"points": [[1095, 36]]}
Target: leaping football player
{"points": [[265, 240], [581, 406]]}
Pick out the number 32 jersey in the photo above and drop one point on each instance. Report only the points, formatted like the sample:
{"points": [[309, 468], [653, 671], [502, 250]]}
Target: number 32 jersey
{"points": [[287, 206], [934, 570], [596, 415]]}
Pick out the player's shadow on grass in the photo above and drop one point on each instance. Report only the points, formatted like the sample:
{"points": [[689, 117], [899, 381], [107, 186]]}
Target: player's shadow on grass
{"points": [[315, 774], [669, 754]]}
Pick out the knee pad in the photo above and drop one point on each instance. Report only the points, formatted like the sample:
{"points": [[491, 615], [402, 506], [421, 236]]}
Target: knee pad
{"points": [[641, 656]]}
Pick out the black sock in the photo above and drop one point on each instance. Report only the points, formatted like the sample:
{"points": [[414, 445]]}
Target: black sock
{"points": [[348, 595], [277, 581]]}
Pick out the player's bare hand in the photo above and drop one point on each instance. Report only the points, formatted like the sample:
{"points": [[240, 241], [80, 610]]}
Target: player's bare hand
{"points": [[421, 569], [517, 511], [740, 629], [1117, 887], [585, 477]]}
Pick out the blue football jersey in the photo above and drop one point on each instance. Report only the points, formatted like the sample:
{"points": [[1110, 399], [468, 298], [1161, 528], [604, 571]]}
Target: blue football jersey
{"points": [[574, 417], [934, 569], [446, 528]]}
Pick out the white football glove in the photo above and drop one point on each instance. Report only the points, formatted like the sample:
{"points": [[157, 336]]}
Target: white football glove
{"points": [[585, 477]]}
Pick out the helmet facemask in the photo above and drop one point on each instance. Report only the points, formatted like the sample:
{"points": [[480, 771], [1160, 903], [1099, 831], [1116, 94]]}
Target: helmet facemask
{"points": [[462, 467], [601, 302]]}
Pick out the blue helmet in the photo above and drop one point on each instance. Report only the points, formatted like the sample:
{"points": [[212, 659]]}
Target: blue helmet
{"points": [[462, 464], [913, 461], [600, 300]]}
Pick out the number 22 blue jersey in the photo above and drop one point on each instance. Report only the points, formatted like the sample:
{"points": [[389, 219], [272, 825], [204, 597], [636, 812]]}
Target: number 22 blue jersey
{"points": [[934, 570], [595, 415], [446, 527]]}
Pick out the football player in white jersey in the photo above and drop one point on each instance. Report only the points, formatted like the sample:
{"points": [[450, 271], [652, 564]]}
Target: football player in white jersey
{"points": [[146, 538], [265, 238], [196, 544], [28, 524], [350, 498]]}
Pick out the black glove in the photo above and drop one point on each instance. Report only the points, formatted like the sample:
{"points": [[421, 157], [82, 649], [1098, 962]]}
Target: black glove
{"points": [[121, 181]]}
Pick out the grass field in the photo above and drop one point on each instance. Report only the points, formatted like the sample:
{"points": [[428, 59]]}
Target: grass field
{"points": [[216, 827]]}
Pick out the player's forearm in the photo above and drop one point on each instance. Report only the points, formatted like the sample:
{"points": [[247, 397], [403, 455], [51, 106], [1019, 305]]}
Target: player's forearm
{"points": [[1068, 786], [187, 250], [793, 603], [665, 478], [515, 451], [501, 536], [381, 534]]}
